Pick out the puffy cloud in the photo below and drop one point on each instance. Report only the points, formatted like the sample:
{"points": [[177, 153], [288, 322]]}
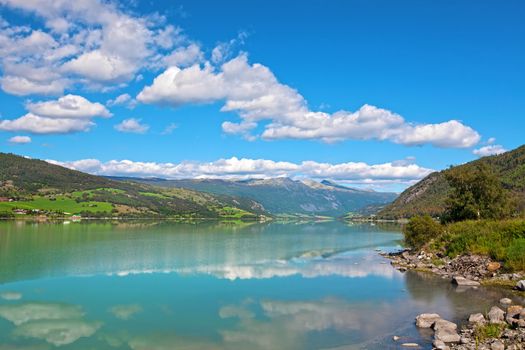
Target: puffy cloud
{"points": [[20, 139], [184, 56], [351, 172], [69, 106], [11, 295], [168, 130], [132, 125], [257, 96], [70, 113], [489, 150], [39, 125], [93, 43]]}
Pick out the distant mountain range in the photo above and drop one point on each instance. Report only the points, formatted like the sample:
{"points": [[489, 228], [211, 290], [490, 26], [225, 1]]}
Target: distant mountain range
{"points": [[284, 196], [428, 196]]}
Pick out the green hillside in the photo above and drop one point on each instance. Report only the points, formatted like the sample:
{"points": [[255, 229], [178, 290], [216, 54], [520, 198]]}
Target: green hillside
{"points": [[428, 195], [29, 186]]}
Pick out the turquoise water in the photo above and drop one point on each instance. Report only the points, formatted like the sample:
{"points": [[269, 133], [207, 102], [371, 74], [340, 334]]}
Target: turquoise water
{"points": [[162, 285]]}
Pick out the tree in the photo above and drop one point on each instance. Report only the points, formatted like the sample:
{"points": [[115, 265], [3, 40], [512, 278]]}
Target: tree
{"points": [[476, 193], [420, 230]]}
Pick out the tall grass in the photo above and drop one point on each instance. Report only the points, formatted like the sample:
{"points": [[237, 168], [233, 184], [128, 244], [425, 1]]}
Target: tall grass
{"points": [[501, 240]]}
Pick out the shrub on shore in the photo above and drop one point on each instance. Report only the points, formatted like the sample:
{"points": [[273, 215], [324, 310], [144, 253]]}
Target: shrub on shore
{"points": [[420, 230]]}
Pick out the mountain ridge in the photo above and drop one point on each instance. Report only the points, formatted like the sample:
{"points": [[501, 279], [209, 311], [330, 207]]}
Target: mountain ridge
{"points": [[428, 195]]}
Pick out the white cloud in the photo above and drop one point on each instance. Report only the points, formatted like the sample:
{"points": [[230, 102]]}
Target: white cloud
{"points": [[257, 96], [184, 56], [39, 125], [224, 50], [92, 43], [132, 125], [351, 172], [70, 113], [20, 139], [489, 150], [69, 106], [123, 100]]}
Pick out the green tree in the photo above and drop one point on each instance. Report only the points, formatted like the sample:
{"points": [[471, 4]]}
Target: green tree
{"points": [[420, 230], [476, 193]]}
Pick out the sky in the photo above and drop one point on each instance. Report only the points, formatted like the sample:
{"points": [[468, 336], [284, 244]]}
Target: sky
{"points": [[373, 94]]}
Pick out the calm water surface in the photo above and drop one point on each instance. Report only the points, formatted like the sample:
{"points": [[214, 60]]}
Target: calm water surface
{"points": [[163, 286]]}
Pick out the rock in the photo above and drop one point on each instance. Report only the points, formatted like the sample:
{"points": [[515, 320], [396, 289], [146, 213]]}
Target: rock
{"points": [[522, 314], [514, 310], [447, 335], [496, 315], [395, 338], [521, 285], [497, 345], [426, 320], [505, 301], [440, 345], [462, 281], [477, 318], [410, 345], [493, 266], [444, 324]]}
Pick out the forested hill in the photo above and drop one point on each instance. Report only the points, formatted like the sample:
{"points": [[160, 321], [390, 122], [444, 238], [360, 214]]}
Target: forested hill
{"points": [[31, 185], [428, 196]]}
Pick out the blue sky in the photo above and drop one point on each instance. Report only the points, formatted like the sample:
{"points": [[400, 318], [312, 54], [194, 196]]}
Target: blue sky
{"points": [[262, 88]]}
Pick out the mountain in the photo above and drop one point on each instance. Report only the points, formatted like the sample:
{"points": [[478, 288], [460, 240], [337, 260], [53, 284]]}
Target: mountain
{"points": [[36, 186], [284, 196], [428, 196]]}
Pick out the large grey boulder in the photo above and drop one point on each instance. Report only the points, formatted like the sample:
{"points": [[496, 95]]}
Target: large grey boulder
{"points": [[447, 335], [476, 318], [496, 315], [463, 282], [426, 320], [444, 324]]}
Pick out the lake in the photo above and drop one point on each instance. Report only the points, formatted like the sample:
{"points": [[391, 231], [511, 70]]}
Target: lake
{"points": [[164, 285]]}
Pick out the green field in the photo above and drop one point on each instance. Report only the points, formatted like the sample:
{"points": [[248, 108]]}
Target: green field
{"points": [[60, 204]]}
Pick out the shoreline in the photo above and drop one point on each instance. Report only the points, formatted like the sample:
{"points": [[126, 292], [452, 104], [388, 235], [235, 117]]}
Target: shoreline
{"points": [[503, 327]]}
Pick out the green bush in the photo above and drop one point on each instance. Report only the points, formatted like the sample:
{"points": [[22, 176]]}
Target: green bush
{"points": [[420, 230]]}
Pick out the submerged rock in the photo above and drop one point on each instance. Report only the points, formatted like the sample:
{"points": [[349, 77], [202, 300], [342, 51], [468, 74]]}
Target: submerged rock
{"points": [[440, 345], [462, 281]]}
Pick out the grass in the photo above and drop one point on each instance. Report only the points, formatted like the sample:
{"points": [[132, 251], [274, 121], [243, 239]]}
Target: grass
{"points": [[488, 331], [501, 240], [57, 204]]}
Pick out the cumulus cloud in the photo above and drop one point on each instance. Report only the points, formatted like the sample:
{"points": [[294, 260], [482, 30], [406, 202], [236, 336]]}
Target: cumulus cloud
{"points": [[58, 332], [38, 125], [92, 43], [70, 113], [22, 313], [132, 125], [351, 172], [489, 150], [20, 139], [257, 96], [69, 106]]}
